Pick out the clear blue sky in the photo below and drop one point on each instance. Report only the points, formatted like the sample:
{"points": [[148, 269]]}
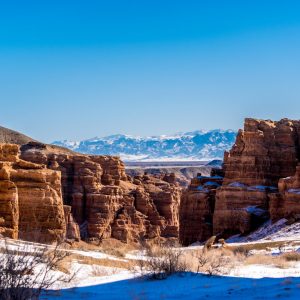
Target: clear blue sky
{"points": [[78, 69]]}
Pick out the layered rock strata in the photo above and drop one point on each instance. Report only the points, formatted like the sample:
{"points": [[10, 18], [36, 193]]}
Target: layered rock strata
{"points": [[105, 202], [31, 205], [264, 152], [286, 203], [261, 181], [197, 208]]}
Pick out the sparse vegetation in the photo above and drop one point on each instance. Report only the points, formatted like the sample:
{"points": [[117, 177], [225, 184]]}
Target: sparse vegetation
{"points": [[291, 256], [241, 250], [260, 259], [161, 262], [109, 246], [214, 262], [26, 269], [98, 271]]}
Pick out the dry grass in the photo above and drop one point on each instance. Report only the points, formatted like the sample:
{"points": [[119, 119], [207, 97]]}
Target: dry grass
{"points": [[116, 248], [164, 259], [262, 246], [64, 266], [259, 259], [98, 271], [291, 256], [109, 246], [106, 262]]}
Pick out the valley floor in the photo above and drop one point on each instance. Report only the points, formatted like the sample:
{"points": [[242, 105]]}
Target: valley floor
{"points": [[103, 275]]}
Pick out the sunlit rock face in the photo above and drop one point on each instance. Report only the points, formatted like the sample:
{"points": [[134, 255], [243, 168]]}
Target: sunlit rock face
{"points": [[261, 181], [105, 202], [31, 205], [264, 152]]}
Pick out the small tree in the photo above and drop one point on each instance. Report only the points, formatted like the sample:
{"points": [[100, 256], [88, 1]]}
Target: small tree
{"points": [[26, 269]]}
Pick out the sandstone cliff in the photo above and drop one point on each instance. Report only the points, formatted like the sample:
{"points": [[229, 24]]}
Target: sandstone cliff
{"points": [[197, 208], [257, 183], [31, 205], [264, 152], [104, 201], [56, 193]]}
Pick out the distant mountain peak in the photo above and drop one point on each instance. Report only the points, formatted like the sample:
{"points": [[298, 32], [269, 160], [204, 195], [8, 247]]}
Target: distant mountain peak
{"points": [[193, 145]]}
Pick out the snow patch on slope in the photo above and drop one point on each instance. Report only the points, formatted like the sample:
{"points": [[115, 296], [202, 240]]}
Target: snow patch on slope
{"points": [[271, 232]]}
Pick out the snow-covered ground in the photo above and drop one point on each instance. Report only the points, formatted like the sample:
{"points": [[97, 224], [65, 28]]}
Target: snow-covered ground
{"points": [[272, 232], [188, 286], [244, 280]]}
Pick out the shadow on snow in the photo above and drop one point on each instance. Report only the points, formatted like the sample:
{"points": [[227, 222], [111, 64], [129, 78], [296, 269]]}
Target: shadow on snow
{"points": [[186, 286]]}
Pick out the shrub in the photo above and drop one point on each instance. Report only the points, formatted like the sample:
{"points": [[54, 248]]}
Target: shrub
{"points": [[26, 269], [214, 262], [240, 250], [161, 262]]}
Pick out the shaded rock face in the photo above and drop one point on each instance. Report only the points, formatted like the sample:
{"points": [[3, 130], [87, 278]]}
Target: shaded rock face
{"points": [[30, 198], [261, 181], [197, 208], [239, 209], [286, 203], [105, 202], [72, 228]]}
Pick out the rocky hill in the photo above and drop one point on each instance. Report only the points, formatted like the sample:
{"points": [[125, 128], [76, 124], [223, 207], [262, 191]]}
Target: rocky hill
{"points": [[13, 137], [196, 145]]}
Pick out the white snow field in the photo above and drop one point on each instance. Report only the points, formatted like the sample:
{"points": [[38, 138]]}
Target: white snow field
{"points": [[243, 281]]}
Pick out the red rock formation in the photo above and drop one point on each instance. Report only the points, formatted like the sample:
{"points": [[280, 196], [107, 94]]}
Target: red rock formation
{"points": [[286, 203], [30, 198], [72, 228], [239, 209], [264, 154], [197, 208], [105, 201]]}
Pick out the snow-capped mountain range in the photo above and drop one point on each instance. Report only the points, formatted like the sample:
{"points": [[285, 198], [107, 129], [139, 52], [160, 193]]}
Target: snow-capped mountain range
{"points": [[195, 145]]}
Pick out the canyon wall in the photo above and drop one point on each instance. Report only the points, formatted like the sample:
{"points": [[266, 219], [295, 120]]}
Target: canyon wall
{"points": [[261, 181], [57, 193], [31, 205], [197, 208], [54, 193]]}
